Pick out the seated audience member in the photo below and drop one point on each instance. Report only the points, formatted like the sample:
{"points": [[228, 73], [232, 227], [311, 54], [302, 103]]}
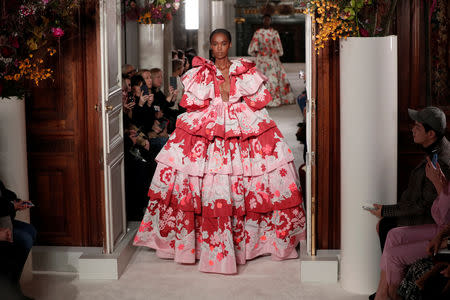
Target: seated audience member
{"points": [[178, 69], [145, 73], [164, 103], [429, 278], [405, 245], [180, 55], [127, 100], [146, 114], [302, 98], [188, 64], [413, 207], [15, 244], [128, 70], [174, 54], [139, 168], [143, 116]]}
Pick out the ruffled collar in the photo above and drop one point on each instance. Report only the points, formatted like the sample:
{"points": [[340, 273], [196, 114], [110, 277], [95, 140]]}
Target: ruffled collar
{"points": [[238, 66]]}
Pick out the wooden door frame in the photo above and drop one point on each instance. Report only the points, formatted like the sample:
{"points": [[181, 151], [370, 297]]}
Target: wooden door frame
{"points": [[94, 145]]}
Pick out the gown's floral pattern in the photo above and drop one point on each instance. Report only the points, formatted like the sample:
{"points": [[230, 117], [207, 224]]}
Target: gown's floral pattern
{"points": [[267, 48], [225, 189]]}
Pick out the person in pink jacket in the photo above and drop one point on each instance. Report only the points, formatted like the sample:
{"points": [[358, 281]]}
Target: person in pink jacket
{"points": [[404, 245]]}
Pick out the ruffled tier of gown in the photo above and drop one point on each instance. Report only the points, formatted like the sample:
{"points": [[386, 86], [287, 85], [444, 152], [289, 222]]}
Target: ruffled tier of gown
{"points": [[225, 189]]}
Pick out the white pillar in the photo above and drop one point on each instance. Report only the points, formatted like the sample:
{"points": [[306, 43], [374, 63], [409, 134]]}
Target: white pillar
{"points": [[218, 14], [13, 146], [151, 46], [368, 116], [204, 28], [13, 157]]}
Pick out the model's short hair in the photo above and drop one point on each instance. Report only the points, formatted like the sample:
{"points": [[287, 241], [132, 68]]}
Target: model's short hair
{"points": [[220, 30]]}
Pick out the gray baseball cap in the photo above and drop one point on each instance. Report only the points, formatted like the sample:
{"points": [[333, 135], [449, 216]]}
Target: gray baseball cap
{"points": [[432, 116]]}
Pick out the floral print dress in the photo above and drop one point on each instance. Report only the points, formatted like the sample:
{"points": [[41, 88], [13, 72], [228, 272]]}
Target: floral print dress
{"points": [[225, 189], [266, 46]]}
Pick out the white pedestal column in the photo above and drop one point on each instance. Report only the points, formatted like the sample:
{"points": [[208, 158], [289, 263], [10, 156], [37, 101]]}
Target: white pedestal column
{"points": [[368, 112], [151, 46], [13, 157], [218, 14], [204, 28]]}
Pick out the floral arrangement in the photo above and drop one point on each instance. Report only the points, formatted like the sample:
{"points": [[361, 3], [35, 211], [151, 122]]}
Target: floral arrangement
{"points": [[152, 11], [30, 32], [343, 18]]}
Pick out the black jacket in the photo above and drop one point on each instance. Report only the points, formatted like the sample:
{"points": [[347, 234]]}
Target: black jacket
{"points": [[6, 207]]}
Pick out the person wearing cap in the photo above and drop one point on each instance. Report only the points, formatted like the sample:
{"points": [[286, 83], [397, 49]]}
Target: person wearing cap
{"points": [[414, 205]]}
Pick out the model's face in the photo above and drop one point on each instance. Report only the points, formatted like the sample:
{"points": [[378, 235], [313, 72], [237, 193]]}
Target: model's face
{"points": [[220, 45], [266, 21], [148, 79], [157, 80]]}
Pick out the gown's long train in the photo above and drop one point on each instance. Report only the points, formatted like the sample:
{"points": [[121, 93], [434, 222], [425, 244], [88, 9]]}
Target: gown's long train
{"points": [[225, 189]]}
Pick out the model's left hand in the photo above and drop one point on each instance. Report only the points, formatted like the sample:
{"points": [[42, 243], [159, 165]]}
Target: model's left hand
{"points": [[377, 212]]}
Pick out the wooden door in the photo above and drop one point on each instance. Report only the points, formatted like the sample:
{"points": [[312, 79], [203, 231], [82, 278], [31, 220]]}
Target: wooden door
{"points": [[63, 141], [111, 110]]}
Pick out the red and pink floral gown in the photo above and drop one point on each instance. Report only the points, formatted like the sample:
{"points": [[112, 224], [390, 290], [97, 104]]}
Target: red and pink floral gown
{"points": [[225, 189], [266, 46]]}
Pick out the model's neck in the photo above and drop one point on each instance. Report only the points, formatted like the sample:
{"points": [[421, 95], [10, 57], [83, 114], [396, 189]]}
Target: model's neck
{"points": [[222, 63]]}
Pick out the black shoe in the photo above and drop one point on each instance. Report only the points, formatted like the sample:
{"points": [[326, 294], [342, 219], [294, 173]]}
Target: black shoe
{"points": [[372, 297]]}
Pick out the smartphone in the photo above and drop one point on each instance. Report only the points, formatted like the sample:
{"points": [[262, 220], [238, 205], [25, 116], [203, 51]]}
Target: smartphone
{"points": [[130, 97], [173, 82], [156, 108], [144, 88], [27, 203], [434, 159], [163, 124], [369, 207]]}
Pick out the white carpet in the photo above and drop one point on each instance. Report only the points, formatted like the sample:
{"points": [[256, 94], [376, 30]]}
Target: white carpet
{"points": [[148, 277]]}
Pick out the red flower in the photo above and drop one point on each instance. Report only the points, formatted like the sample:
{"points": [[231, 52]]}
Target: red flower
{"points": [[363, 32], [166, 175], [283, 172]]}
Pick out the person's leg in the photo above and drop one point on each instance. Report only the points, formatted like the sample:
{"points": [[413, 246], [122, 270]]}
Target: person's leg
{"points": [[384, 226], [24, 236], [9, 270], [404, 245]]}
